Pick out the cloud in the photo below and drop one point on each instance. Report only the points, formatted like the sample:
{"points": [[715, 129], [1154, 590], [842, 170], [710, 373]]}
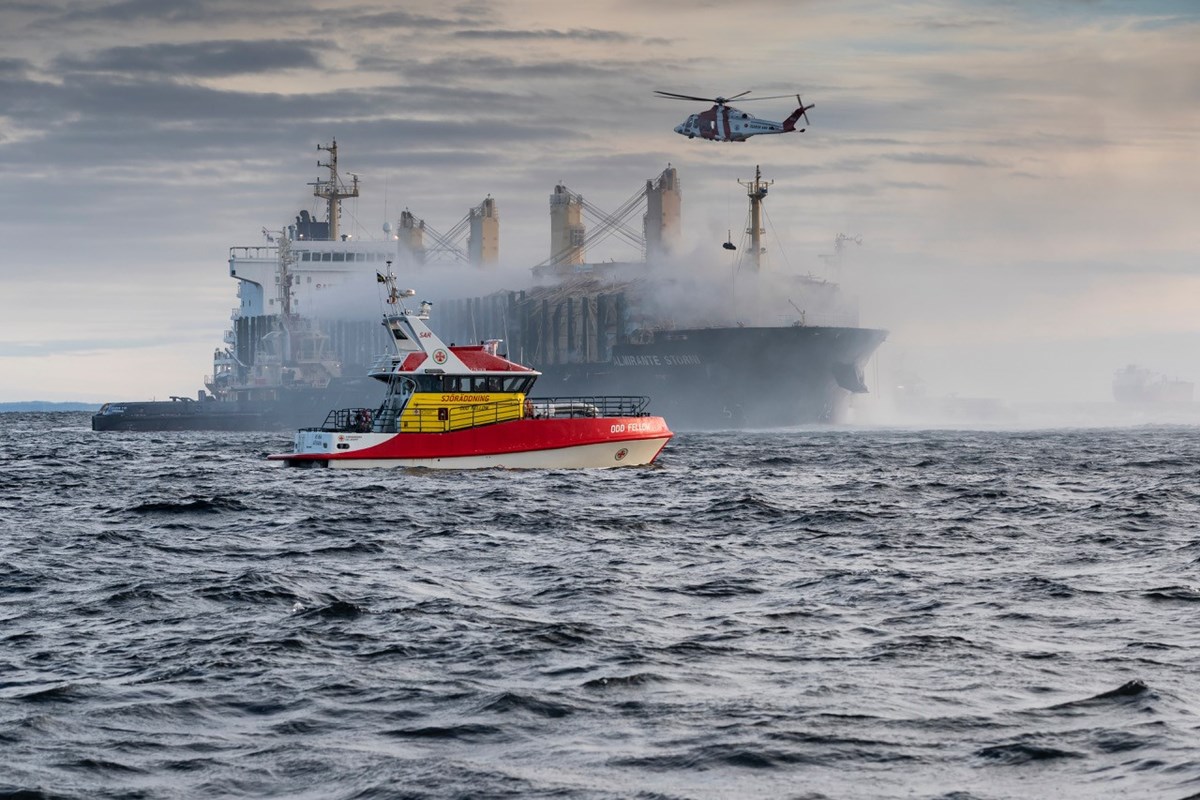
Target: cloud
{"points": [[939, 158], [575, 34], [160, 11], [401, 21], [181, 62], [13, 67]]}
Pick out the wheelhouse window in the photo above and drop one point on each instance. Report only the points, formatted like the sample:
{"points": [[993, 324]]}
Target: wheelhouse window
{"points": [[517, 384]]}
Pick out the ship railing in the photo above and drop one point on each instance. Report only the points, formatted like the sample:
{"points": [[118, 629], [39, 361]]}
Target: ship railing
{"points": [[347, 420], [260, 252], [589, 406], [384, 364], [440, 419], [421, 419]]}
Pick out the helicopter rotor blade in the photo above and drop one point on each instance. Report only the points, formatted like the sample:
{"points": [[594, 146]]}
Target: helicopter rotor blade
{"points": [[687, 97], [769, 97]]}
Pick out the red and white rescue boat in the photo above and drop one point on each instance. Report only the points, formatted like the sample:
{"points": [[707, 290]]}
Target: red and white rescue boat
{"points": [[468, 407]]}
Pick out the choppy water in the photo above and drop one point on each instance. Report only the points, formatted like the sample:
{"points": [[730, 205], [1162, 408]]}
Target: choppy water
{"points": [[809, 614]]}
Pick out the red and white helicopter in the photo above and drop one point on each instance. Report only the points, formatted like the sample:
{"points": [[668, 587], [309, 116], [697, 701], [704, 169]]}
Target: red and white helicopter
{"points": [[724, 123]]}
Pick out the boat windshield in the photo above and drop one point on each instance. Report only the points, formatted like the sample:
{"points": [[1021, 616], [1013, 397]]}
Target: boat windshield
{"points": [[474, 383]]}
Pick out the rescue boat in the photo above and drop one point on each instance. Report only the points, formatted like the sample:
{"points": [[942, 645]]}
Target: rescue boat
{"points": [[469, 407]]}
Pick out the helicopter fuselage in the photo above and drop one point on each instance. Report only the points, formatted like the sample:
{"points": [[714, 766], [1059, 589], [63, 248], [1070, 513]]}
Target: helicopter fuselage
{"points": [[723, 123]]}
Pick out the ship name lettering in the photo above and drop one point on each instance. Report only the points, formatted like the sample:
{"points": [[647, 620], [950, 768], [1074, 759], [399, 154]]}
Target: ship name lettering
{"points": [[687, 359], [465, 398], [632, 427]]}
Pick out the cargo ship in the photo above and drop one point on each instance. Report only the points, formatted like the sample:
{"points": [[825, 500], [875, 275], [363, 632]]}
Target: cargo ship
{"points": [[1135, 385], [786, 351]]}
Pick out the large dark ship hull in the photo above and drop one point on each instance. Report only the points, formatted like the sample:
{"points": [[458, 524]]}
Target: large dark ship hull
{"points": [[592, 339], [288, 410], [699, 379], [716, 378]]}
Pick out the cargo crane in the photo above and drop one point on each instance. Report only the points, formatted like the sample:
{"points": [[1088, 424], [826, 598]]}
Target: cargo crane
{"points": [[455, 246], [658, 198]]}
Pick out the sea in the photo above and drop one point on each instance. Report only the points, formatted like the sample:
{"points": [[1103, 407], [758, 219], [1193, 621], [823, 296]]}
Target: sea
{"points": [[809, 613]]}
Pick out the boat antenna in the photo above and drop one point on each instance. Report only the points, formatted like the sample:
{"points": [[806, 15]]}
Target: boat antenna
{"points": [[394, 295]]}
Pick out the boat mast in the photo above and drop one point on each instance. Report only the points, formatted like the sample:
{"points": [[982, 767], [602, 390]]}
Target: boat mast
{"points": [[756, 190], [333, 191]]}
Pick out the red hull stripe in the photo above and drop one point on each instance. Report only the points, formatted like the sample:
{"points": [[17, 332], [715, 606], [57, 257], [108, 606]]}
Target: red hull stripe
{"points": [[506, 437]]}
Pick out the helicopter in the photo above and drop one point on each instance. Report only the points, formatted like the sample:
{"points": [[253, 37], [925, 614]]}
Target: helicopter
{"points": [[724, 123]]}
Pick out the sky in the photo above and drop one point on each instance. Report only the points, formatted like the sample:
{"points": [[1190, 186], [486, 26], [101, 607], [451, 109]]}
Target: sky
{"points": [[1024, 177]]}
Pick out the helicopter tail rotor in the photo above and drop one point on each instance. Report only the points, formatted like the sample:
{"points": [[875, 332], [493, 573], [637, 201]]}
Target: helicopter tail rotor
{"points": [[789, 124], [803, 109]]}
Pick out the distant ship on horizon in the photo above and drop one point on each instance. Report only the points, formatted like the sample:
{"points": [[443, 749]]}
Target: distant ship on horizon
{"points": [[1133, 384]]}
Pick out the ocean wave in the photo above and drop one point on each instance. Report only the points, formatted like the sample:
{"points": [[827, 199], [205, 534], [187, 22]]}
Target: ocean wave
{"points": [[939, 614]]}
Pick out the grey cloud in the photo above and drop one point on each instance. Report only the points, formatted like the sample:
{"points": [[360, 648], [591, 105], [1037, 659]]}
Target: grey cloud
{"points": [[175, 11], [436, 15], [398, 19], [199, 59], [16, 5], [849, 189], [956, 23], [914, 185], [873, 141], [938, 158], [442, 70], [574, 34], [111, 124], [13, 67], [1038, 141]]}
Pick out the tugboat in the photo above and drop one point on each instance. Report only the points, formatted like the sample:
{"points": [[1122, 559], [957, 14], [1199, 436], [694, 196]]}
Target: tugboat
{"points": [[467, 407]]}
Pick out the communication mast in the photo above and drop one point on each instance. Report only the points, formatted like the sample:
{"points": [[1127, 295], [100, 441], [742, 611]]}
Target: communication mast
{"points": [[333, 190], [756, 190]]}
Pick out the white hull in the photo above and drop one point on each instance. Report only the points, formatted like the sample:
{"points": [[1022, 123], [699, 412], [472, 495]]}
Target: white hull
{"points": [[592, 456]]}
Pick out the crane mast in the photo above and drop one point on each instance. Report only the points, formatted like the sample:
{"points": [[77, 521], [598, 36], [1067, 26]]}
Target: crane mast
{"points": [[333, 191], [756, 190]]}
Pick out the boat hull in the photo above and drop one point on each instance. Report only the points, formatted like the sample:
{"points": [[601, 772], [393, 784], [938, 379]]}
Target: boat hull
{"points": [[289, 409], [520, 444]]}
